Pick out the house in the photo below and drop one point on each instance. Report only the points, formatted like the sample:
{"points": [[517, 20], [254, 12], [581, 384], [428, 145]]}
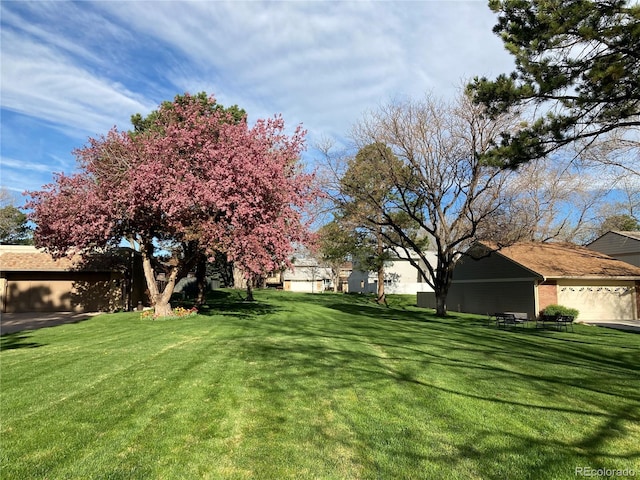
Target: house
{"points": [[527, 277], [400, 276], [624, 246], [33, 281], [306, 275]]}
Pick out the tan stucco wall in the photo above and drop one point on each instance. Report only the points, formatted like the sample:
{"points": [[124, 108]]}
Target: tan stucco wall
{"points": [[62, 291]]}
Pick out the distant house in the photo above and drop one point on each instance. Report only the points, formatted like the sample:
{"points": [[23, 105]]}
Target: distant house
{"points": [[624, 246], [526, 277], [400, 276], [307, 275], [33, 281]]}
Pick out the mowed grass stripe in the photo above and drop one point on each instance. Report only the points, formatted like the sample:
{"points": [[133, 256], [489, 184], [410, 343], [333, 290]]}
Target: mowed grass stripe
{"points": [[316, 386]]}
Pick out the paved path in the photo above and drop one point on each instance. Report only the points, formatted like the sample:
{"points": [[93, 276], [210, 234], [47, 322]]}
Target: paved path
{"points": [[16, 322], [629, 325]]}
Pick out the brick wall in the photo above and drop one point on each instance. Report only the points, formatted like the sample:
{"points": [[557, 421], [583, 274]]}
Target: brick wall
{"points": [[638, 300], [547, 295]]}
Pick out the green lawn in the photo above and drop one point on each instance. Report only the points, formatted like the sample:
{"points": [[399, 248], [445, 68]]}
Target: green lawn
{"points": [[316, 386]]}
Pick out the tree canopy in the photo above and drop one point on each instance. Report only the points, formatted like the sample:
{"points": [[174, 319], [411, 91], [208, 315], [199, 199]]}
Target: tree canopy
{"points": [[365, 188], [576, 60], [14, 226], [192, 180], [621, 222], [14, 229], [436, 186], [166, 113]]}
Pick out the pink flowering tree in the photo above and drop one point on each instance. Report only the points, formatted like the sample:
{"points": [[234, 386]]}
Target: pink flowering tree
{"points": [[193, 182]]}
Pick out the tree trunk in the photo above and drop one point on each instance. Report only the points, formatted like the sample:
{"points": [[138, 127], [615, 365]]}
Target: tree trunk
{"points": [[159, 300], [162, 309], [201, 279], [382, 298], [441, 306], [249, 291], [336, 281]]}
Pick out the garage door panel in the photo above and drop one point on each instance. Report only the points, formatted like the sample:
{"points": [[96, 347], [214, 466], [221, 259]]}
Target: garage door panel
{"points": [[599, 302], [39, 296]]}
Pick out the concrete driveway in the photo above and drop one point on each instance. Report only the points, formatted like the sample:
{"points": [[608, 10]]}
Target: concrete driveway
{"points": [[16, 322], [629, 325]]}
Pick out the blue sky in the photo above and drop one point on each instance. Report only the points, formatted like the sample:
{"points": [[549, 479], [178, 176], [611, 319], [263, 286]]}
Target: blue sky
{"points": [[73, 70]]}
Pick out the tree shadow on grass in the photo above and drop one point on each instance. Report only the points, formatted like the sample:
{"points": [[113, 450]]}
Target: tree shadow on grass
{"points": [[224, 302], [378, 359], [396, 343], [13, 341]]}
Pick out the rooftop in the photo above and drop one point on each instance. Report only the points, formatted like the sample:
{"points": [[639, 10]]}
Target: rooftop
{"points": [[557, 260], [29, 258], [25, 258]]}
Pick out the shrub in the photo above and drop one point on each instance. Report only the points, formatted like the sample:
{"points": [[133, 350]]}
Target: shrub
{"points": [[178, 312], [183, 312], [554, 310]]}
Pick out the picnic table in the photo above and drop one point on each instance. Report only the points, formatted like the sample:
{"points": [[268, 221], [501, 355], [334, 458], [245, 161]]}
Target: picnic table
{"points": [[557, 321], [510, 318]]}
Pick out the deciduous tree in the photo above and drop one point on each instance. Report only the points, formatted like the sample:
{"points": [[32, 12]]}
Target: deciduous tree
{"points": [[203, 183], [336, 244], [547, 200], [365, 186], [158, 120], [441, 187]]}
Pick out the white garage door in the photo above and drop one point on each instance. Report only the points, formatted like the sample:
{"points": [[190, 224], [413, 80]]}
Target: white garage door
{"points": [[599, 302]]}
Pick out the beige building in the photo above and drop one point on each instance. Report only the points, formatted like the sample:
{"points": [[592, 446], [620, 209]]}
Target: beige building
{"points": [[400, 277], [33, 281]]}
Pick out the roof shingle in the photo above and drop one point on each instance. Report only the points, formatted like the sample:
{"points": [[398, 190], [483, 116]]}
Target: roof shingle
{"points": [[556, 260], [33, 261]]}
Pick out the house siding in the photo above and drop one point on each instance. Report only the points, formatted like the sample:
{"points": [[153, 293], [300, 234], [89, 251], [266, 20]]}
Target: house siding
{"points": [[492, 284], [401, 277], [62, 291], [33, 281], [600, 287], [632, 258], [493, 266], [300, 286], [487, 297], [618, 246]]}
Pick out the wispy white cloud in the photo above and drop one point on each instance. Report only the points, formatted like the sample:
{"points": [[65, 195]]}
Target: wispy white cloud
{"points": [[12, 163], [38, 81], [19, 176], [322, 63], [82, 67]]}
